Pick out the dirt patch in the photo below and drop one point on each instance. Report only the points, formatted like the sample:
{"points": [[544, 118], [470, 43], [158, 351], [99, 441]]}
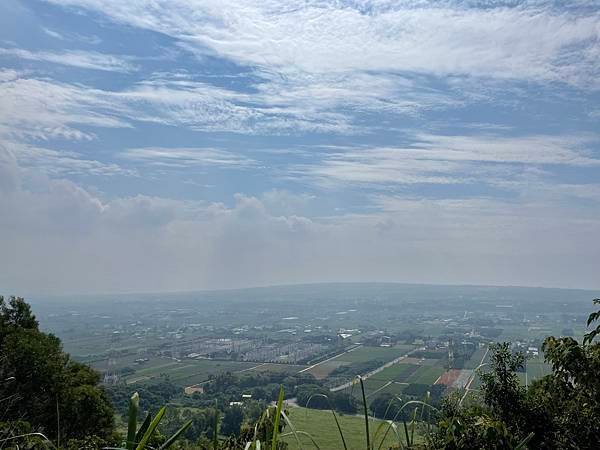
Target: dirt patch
{"points": [[448, 378]]}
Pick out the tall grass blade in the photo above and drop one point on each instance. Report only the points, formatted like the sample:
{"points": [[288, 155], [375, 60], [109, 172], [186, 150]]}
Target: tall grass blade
{"points": [[151, 429], [523, 443], [304, 433], [377, 431], [337, 423], [276, 419], [173, 438], [37, 434], [412, 402], [391, 423], [143, 428], [134, 406], [412, 427], [364, 398], [291, 425], [216, 430]]}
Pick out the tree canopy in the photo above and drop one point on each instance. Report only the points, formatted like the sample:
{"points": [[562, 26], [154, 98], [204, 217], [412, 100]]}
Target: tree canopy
{"points": [[41, 386]]}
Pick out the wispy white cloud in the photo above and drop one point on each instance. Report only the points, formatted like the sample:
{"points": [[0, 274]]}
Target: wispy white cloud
{"points": [[169, 157], [62, 163], [73, 37], [45, 109], [437, 159], [527, 41], [75, 58]]}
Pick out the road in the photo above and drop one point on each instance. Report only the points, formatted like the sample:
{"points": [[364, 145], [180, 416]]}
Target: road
{"points": [[329, 359], [473, 375]]}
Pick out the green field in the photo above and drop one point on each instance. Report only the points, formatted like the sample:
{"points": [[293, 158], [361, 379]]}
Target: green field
{"points": [[394, 388], [320, 424], [426, 375], [371, 386], [364, 354], [272, 367], [476, 358], [360, 354], [397, 372], [187, 372], [324, 369]]}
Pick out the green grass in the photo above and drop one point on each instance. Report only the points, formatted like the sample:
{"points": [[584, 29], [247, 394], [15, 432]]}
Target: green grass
{"points": [[320, 424]]}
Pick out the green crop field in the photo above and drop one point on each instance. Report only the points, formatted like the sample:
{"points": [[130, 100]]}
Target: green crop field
{"points": [[476, 358], [426, 374], [371, 386], [187, 372], [272, 367], [364, 354], [394, 388], [321, 426], [397, 372], [325, 368]]}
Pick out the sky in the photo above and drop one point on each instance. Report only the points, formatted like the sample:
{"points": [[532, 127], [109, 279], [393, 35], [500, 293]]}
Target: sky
{"points": [[173, 145]]}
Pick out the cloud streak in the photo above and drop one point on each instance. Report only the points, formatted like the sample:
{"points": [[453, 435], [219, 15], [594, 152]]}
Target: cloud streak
{"points": [[74, 58], [439, 159], [168, 157], [522, 42]]}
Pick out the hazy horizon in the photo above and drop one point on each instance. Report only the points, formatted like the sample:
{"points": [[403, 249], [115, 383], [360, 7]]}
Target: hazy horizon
{"points": [[320, 287]]}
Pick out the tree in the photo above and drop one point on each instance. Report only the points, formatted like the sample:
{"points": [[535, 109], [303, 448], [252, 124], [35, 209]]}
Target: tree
{"points": [[558, 411], [502, 392], [386, 406], [571, 394], [232, 422], [42, 385]]}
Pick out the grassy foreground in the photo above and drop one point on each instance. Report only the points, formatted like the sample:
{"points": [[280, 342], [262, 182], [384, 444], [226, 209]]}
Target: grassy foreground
{"points": [[321, 425]]}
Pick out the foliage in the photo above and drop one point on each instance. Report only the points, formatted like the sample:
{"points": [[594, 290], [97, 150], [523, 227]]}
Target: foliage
{"points": [[502, 392], [43, 386], [319, 397], [146, 436], [232, 422], [471, 428], [571, 394], [152, 396]]}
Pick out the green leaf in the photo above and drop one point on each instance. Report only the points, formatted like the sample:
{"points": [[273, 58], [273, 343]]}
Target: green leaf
{"points": [[276, 419], [366, 414], [143, 428], [524, 442], [173, 438], [134, 406], [151, 429], [291, 425]]}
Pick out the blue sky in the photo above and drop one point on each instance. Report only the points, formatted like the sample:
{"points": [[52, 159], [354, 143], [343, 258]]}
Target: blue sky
{"points": [[175, 145]]}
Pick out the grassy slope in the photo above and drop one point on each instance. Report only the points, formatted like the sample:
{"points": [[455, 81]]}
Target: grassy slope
{"points": [[321, 425]]}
